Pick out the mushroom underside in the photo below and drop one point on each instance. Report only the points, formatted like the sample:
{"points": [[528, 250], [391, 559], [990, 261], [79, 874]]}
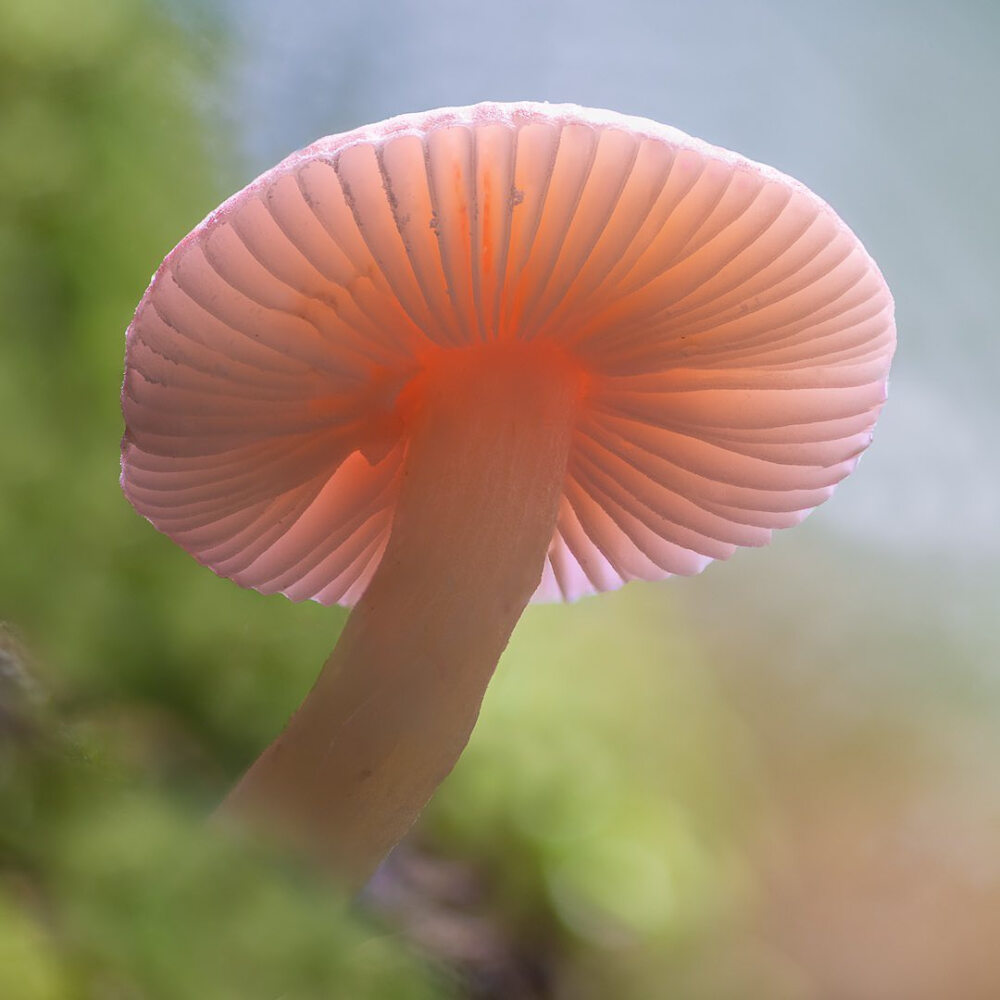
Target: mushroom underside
{"points": [[438, 367]]}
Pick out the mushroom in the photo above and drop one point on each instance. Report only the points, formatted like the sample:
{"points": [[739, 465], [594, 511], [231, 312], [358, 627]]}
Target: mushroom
{"points": [[441, 366]]}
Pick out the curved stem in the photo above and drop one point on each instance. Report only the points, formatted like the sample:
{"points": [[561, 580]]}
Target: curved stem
{"points": [[489, 434]]}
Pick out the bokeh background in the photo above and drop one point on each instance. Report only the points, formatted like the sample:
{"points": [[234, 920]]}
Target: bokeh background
{"points": [[777, 781]]}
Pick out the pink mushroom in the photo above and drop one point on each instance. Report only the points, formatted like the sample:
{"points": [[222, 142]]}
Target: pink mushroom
{"points": [[441, 366]]}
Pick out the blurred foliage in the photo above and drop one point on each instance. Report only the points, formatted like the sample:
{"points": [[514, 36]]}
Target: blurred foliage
{"points": [[597, 781], [108, 889], [164, 681], [105, 164]]}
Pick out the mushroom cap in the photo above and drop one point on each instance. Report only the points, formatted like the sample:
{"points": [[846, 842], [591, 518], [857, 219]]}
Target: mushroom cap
{"points": [[735, 334]]}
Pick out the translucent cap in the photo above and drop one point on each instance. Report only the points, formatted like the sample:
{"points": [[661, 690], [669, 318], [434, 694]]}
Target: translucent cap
{"points": [[736, 335]]}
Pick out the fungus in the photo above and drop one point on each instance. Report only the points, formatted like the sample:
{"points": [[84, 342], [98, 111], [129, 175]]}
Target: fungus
{"points": [[439, 366]]}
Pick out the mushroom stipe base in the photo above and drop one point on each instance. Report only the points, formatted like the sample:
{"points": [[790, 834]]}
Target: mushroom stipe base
{"points": [[488, 435]]}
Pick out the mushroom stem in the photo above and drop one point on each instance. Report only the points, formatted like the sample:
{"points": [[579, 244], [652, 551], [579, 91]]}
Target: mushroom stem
{"points": [[489, 432]]}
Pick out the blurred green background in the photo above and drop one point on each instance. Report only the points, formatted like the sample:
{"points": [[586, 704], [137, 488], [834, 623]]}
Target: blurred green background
{"points": [[779, 780]]}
